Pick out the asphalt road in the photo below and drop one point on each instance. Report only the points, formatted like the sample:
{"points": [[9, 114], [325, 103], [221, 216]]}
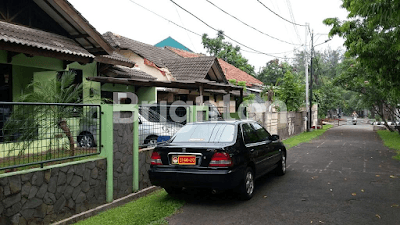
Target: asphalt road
{"points": [[346, 176]]}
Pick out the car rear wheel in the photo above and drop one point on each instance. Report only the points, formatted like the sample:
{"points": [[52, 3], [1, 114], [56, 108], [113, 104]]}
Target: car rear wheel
{"points": [[86, 140], [246, 188], [281, 169]]}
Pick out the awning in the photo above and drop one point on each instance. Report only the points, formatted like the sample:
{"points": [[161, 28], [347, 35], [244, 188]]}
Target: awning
{"points": [[191, 85]]}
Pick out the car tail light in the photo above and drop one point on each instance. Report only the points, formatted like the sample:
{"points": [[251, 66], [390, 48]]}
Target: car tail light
{"points": [[220, 159], [155, 159]]}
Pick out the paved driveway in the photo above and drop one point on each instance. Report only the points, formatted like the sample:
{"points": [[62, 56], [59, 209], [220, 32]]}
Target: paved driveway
{"points": [[346, 176]]}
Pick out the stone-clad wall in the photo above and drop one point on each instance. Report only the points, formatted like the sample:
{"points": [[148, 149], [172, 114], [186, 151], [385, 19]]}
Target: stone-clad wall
{"points": [[123, 158], [144, 166], [45, 195]]}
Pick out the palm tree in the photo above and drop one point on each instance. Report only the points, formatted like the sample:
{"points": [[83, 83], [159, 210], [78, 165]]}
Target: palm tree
{"points": [[26, 119]]}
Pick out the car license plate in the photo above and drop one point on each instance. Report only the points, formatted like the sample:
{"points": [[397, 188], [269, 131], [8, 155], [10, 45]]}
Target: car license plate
{"points": [[184, 160]]}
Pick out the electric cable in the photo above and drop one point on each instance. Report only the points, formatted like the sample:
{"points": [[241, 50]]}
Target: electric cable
{"points": [[186, 32], [249, 25], [289, 5], [223, 34], [279, 15], [165, 18]]}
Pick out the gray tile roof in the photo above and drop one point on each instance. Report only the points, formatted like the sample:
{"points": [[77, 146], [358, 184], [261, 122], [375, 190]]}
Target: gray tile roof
{"points": [[190, 68], [125, 72], [117, 57], [152, 53], [21, 35]]}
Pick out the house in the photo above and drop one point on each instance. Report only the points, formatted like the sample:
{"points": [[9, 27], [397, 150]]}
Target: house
{"points": [[254, 86], [168, 67], [169, 41], [39, 39]]}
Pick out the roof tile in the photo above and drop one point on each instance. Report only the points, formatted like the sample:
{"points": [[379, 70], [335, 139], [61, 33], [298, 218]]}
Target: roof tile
{"points": [[190, 68], [152, 53], [231, 72], [21, 35], [125, 72]]}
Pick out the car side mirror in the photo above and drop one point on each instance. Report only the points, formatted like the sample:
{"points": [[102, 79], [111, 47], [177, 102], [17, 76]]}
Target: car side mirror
{"points": [[274, 137]]}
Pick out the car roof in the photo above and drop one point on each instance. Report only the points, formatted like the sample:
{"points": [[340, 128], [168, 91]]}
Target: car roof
{"points": [[223, 122]]}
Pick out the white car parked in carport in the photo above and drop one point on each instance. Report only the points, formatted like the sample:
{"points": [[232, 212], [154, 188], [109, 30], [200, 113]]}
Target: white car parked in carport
{"points": [[152, 126]]}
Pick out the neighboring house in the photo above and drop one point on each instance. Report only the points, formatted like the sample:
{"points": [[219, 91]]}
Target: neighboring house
{"points": [[254, 86], [167, 66], [169, 41]]}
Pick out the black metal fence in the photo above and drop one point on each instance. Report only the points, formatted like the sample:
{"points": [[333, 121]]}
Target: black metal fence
{"points": [[38, 133], [158, 123]]}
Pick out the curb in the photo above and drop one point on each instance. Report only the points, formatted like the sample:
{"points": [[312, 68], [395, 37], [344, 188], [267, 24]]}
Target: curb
{"points": [[105, 207]]}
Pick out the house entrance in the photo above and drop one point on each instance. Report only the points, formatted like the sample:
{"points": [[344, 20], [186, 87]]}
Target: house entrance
{"points": [[5, 83], [5, 95]]}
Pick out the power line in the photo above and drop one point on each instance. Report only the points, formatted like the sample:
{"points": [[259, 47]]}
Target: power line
{"points": [[289, 5], [249, 25], [279, 15], [166, 19], [186, 32], [224, 34]]}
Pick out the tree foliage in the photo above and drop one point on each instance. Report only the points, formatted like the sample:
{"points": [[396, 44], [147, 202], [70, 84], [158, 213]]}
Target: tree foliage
{"points": [[372, 94], [290, 92], [372, 36], [372, 40], [272, 71], [226, 51]]}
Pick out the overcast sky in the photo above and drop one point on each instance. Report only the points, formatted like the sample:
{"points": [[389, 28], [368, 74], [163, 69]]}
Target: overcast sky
{"points": [[130, 20]]}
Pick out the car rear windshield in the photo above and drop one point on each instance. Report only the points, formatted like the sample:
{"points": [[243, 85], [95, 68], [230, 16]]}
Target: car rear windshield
{"points": [[206, 133]]}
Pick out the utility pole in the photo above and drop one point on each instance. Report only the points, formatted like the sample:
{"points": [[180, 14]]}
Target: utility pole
{"points": [[312, 75], [306, 66]]}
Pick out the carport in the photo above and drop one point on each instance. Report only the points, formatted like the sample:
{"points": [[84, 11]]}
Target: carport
{"points": [[199, 85]]}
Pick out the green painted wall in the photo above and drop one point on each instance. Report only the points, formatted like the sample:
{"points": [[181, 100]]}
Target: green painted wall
{"points": [[22, 77], [3, 56], [148, 94], [24, 67], [36, 61], [89, 70]]}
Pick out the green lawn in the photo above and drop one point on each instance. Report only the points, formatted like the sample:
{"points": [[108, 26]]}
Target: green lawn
{"points": [[305, 137], [151, 209], [391, 140]]}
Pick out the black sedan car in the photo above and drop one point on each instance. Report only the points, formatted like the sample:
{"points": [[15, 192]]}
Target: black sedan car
{"points": [[218, 155]]}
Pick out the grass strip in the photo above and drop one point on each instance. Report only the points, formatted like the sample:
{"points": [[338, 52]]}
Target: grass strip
{"points": [[391, 140], [305, 136], [151, 209]]}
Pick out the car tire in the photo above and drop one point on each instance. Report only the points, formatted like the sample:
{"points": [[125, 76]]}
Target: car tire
{"points": [[281, 169], [246, 188], [173, 191], [151, 140], [86, 140]]}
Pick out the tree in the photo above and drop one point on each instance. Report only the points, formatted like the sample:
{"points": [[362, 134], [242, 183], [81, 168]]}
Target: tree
{"points": [[57, 90], [372, 40], [372, 94], [372, 37], [250, 97], [226, 51], [290, 92], [272, 71]]}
